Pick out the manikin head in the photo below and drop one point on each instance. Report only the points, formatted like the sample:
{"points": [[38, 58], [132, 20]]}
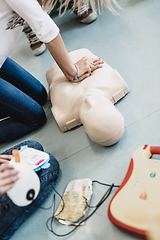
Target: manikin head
{"points": [[103, 123]]}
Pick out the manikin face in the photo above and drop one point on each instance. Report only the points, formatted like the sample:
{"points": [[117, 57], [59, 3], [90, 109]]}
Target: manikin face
{"points": [[103, 123]]}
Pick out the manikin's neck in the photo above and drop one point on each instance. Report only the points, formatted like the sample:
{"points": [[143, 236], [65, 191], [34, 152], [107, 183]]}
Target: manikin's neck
{"points": [[89, 100]]}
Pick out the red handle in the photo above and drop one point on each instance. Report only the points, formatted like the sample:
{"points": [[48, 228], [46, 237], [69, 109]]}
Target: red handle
{"points": [[155, 150]]}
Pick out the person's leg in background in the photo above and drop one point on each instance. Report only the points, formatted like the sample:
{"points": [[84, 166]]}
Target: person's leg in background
{"points": [[37, 47], [85, 15], [13, 216], [21, 97]]}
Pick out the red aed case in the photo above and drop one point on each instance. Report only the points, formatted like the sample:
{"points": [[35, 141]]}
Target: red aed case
{"points": [[137, 200]]}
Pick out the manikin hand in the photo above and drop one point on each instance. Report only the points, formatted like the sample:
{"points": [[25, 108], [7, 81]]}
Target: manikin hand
{"points": [[87, 65], [8, 176]]}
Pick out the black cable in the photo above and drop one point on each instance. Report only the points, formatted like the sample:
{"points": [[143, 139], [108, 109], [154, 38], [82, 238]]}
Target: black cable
{"points": [[49, 223], [51, 219], [104, 183], [48, 207], [60, 197]]}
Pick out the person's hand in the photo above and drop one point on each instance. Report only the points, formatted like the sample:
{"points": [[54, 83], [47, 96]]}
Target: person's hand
{"points": [[5, 158], [8, 175], [96, 63], [87, 65]]}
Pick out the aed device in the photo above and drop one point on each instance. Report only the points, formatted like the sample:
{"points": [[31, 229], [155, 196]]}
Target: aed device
{"points": [[26, 188], [137, 200]]}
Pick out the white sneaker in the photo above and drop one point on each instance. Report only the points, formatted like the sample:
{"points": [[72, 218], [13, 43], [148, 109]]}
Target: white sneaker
{"points": [[85, 14], [36, 45]]}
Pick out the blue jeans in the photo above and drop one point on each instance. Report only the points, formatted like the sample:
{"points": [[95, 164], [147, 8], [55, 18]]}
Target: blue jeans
{"points": [[12, 216], [21, 97]]}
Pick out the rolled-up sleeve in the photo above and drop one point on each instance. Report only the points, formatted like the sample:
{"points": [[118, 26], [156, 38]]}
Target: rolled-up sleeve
{"points": [[40, 22]]}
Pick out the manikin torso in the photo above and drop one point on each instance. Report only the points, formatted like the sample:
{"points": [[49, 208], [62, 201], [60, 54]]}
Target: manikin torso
{"points": [[67, 97]]}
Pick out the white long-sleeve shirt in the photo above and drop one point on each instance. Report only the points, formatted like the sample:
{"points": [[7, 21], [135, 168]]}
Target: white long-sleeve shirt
{"points": [[13, 14]]}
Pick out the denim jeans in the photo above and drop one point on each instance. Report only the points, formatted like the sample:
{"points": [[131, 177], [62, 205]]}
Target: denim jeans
{"points": [[12, 216], [21, 97]]}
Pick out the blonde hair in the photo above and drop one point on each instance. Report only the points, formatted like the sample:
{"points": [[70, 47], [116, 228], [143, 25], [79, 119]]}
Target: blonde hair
{"points": [[100, 4]]}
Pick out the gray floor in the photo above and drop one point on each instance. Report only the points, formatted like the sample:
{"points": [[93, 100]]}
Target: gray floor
{"points": [[130, 44]]}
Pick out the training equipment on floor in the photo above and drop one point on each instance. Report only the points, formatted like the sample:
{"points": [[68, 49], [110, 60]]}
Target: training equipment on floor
{"points": [[136, 202], [36, 159], [26, 188], [89, 102]]}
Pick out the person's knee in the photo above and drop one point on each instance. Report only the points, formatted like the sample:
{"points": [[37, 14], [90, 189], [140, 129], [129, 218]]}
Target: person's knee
{"points": [[41, 97], [38, 119], [41, 120], [51, 173], [33, 144]]}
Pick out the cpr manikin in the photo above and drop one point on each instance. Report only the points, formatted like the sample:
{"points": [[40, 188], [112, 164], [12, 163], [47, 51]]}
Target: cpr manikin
{"points": [[90, 102]]}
